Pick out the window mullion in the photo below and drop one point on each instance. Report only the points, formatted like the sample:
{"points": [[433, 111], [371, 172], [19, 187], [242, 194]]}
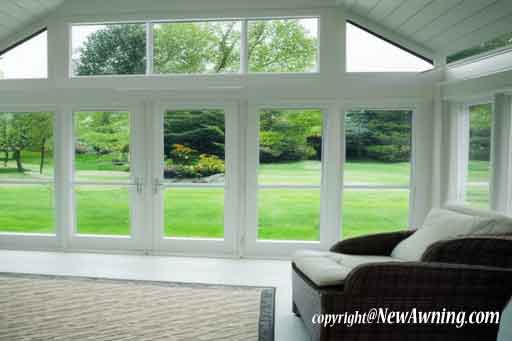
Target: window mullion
{"points": [[150, 48], [244, 48]]}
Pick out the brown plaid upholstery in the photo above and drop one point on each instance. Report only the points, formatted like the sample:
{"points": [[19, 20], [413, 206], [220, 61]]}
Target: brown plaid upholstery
{"points": [[463, 274]]}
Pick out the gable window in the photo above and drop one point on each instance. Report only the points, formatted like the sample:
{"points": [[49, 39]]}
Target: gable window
{"points": [[110, 49], [369, 52], [27, 59]]}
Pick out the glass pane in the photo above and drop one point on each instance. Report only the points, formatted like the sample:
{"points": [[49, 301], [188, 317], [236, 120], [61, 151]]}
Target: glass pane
{"points": [[290, 144], [113, 49], [194, 212], [284, 45], [378, 152], [479, 173], [28, 60], [194, 153], [378, 148], [194, 146], [289, 214], [102, 210], [197, 47], [26, 146], [369, 211], [27, 208], [102, 146], [366, 52]]}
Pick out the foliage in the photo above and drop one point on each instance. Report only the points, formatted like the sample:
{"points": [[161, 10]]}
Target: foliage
{"points": [[201, 130], [284, 134], [113, 50], [183, 154], [379, 135], [200, 47], [480, 132], [205, 166], [25, 131]]}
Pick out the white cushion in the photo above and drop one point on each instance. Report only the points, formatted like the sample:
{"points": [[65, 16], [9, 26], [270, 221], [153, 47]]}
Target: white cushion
{"points": [[440, 224], [502, 223], [329, 268]]}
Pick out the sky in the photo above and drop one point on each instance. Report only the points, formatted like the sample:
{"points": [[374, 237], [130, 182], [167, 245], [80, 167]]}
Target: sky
{"points": [[365, 53]]}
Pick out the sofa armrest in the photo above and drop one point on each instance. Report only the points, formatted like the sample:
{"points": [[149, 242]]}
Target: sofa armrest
{"points": [[381, 244], [493, 251]]}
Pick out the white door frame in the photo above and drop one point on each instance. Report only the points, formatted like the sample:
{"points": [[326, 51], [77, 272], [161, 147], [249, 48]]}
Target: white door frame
{"points": [[196, 246]]}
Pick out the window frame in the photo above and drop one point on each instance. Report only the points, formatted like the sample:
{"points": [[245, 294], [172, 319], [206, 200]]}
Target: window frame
{"points": [[329, 194], [149, 24], [12, 240], [135, 185]]}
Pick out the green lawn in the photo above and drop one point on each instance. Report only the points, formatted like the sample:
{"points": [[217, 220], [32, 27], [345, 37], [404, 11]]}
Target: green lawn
{"points": [[284, 214]]}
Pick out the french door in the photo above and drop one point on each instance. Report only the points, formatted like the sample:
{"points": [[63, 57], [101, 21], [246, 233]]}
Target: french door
{"points": [[193, 177]]}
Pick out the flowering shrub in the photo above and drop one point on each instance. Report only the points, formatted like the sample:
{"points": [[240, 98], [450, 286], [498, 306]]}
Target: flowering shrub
{"points": [[184, 155], [206, 165]]}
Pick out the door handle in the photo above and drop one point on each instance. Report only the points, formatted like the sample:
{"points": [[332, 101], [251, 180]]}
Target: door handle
{"points": [[157, 184]]}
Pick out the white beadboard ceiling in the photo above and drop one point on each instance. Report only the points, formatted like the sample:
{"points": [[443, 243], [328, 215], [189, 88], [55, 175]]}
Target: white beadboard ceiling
{"points": [[439, 26], [16, 15]]}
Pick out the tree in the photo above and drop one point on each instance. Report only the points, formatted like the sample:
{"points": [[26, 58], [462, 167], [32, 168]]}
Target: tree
{"points": [[42, 133], [274, 45], [113, 50]]}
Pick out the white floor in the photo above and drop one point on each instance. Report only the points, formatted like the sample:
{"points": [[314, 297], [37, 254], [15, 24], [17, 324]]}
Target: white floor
{"points": [[178, 269]]}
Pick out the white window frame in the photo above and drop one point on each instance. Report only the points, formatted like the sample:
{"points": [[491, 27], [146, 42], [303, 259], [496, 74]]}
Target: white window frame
{"points": [[135, 240], [412, 176], [226, 246], [10, 240], [244, 58], [330, 195]]}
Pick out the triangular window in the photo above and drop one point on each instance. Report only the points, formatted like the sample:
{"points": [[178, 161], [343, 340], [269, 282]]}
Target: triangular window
{"points": [[27, 59], [369, 52]]}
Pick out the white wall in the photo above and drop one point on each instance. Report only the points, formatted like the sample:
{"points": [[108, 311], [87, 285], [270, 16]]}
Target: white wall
{"points": [[331, 85]]}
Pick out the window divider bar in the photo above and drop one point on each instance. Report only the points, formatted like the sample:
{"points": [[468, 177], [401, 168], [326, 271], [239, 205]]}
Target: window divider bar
{"points": [[192, 185], [103, 183], [244, 47], [27, 182], [289, 186], [382, 187], [150, 43]]}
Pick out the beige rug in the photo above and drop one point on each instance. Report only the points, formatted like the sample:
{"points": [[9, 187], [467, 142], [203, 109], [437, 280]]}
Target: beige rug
{"points": [[70, 308]]}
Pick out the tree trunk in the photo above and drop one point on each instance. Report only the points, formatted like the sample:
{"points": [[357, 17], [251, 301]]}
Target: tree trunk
{"points": [[41, 164], [17, 157], [6, 157]]}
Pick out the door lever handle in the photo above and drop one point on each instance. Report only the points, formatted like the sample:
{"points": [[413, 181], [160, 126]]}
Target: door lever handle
{"points": [[157, 184]]}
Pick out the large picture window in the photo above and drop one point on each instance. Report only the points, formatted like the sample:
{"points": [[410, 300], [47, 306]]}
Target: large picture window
{"points": [[289, 176], [26, 172], [377, 171], [479, 158], [102, 177]]}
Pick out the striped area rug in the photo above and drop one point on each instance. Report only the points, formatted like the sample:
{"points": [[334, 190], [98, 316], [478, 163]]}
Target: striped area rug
{"points": [[40, 307]]}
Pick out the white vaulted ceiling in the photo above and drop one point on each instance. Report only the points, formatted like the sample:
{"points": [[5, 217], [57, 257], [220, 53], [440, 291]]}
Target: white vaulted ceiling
{"points": [[18, 14], [438, 26], [442, 26]]}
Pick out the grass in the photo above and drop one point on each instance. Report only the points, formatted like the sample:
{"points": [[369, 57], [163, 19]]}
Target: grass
{"points": [[284, 214]]}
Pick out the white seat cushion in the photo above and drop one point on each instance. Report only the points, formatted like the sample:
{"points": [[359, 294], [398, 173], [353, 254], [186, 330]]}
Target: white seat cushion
{"points": [[440, 224], [329, 268]]}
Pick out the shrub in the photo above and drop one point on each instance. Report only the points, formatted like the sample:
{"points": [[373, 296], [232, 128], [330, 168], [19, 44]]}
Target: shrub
{"points": [[183, 155], [209, 165]]}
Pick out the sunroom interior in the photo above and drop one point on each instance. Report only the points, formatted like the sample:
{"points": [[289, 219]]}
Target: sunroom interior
{"points": [[208, 141]]}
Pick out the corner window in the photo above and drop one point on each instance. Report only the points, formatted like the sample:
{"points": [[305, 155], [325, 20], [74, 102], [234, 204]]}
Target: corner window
{"points": [[283, 45], [477, 192], [369, 52], [113, 49], [27, 59], [488, 46]]}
